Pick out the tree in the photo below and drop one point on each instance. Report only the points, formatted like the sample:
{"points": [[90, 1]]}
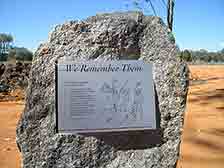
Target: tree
{"points": [[11, 57], [20, 54], [5, 40], [186, 56], [170, 10], [222, 51], [207, 56]]}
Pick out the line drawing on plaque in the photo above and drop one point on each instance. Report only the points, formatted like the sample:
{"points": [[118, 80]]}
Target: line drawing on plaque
{"points": [[135, 113], [122, 102], [138, 100], [117, 97]]}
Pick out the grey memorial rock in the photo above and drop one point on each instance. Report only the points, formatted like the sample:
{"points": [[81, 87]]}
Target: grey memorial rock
{"points": [[15, 76], [105, 36]]}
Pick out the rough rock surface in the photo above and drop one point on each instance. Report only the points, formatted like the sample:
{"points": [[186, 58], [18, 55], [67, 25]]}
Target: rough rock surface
{"points": [[15, 75], [2, 69], [105, 36]]}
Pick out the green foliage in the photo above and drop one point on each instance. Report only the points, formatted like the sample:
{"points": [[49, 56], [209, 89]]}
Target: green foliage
{"points": [[11, 55], [20, 54], [202, 55], [185, 56], [7, 52], [171, 37], [3, 57], [5, 40]]}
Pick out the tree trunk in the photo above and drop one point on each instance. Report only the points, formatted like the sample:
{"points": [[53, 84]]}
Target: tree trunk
{"points": [[170, 14]]}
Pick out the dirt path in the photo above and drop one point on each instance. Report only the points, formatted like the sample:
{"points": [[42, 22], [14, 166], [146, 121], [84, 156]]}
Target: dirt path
{"points": [[9, 114], [202, 141]]}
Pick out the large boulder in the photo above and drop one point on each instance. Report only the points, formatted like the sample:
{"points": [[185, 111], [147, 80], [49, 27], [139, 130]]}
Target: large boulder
{"points": [[15, 76], [106, 36]]}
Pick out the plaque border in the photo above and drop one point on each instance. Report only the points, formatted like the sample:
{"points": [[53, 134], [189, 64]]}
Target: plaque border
{"points": [[56, 96], [101, 130]]}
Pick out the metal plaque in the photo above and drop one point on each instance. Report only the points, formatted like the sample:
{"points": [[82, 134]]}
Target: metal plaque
{"points": [[94, 96]]}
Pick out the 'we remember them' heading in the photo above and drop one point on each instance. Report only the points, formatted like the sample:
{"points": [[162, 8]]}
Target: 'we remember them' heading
{"points": [[79, 67]]}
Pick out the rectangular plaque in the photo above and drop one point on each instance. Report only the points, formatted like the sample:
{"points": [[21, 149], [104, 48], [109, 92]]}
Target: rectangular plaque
{"points": [[104, 96]]}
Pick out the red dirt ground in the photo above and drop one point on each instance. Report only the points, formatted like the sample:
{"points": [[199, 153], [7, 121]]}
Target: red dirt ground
{"points": [[203, 136], [9, 114]]}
